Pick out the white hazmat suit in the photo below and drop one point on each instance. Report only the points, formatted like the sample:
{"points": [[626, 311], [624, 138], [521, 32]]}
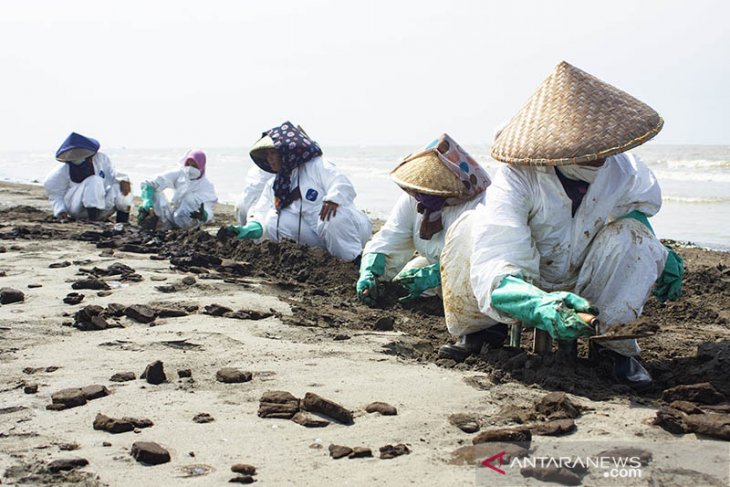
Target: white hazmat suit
{"points": [[526, 228], [399, 237], [256, 180], [100, 190], [343, 235], [187, 197]]}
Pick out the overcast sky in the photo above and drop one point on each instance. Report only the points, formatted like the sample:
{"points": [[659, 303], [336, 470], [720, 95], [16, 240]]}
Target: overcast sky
{"points": [[143, 74]]}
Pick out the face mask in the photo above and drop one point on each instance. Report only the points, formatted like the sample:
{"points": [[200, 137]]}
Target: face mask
{"points": [[579, 173], [78, 163], [191, 172]]}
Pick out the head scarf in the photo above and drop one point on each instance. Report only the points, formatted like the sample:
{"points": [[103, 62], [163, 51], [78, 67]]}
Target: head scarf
{"points": [[79, 172], [199, 157], [295, 148], [430, 206]]}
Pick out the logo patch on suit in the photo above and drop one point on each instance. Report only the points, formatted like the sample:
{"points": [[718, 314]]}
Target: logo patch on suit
{"points": [[101, 174], [312, 194]]}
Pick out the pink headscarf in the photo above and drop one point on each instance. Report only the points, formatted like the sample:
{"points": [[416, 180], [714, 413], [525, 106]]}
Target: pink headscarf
{"points": [[199, 157]]}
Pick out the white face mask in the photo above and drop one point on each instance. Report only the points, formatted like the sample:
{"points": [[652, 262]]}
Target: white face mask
{"points": [[580, 173], [78, 163], [191, 172]]}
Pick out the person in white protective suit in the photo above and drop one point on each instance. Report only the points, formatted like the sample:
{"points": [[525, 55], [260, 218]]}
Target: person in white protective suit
{"points": [[441, 181], [86, 185], [309, 201], [192, 201], [564, 229], [256, 180]]}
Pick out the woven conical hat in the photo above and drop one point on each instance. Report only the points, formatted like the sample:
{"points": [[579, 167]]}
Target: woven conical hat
{"points": [[574, 117], [427, 174]]}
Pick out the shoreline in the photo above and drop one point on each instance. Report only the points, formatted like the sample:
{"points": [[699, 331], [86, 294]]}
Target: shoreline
{"points": [[227, 209], [297, 327]]}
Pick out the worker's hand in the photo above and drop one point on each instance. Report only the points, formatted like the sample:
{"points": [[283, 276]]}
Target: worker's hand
{"points": [[63, 216], [368, 288], [329, 210], [125, 187], [143, 213], [555, 313], [147, 196], [669, 284], [419, 279], [252, 230], [200, 214]]}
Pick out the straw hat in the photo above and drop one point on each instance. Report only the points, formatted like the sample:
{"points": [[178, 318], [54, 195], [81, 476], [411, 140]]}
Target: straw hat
{"points": [[443, 169], [574, 117], [427, 174], [258, 151]]}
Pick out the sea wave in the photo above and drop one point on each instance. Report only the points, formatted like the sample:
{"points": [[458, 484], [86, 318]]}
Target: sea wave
{"points": [[717, 177], [713, 164], [696, 200]]}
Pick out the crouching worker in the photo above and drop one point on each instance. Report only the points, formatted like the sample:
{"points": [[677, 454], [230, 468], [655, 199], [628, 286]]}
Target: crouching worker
{"points": [[86, 185], [309, 201], [564, 229], [441, 182], [192, 201]]}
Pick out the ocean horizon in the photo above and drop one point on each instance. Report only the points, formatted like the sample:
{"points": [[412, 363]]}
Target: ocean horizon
{"points": [[695, 179]]}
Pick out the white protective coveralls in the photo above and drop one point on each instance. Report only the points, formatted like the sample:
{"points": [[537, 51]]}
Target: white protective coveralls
{"points": [[343, 235], [100, 190], [256, 180], [525, 228], [188, 196], [400, 237]]}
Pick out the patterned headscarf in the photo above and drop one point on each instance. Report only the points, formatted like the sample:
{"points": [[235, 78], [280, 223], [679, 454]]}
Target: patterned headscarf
{"points": [[295, 148]]}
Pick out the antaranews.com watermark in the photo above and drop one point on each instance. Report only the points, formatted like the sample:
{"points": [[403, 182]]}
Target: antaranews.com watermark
{"points": [[605, 463]]}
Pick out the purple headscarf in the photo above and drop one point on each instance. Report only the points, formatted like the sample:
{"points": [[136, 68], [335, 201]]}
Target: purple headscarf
{"points": [[431, 207], [199, 157]]}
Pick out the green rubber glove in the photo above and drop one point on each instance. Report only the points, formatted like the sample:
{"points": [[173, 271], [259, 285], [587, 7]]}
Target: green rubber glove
{"points": [[418, 280], [148, 196], [200, 214], [555, 313], [251, 230], [669, 284], [368, 289]]}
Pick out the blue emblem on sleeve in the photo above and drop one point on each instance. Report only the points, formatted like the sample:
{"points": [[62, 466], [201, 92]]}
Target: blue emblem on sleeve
{"points": [[312, 194], [101, 173]]}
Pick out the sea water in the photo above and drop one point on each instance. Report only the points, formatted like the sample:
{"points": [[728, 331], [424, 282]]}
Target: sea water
{"points": [[695, 180]]}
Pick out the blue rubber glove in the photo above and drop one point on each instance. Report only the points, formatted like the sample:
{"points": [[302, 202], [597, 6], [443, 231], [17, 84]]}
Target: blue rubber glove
{"points": [[669, 284], [372, 267], [418, 280], [555, 313], [251, 230]]}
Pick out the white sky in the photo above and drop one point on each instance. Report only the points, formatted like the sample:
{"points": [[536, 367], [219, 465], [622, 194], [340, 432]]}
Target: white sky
{"points": [[148, 73]]}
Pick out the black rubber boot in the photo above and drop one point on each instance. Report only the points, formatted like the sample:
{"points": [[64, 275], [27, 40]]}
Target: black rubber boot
{"points": [[472, 343], [122, 216], [627, 370], [92, 213]]}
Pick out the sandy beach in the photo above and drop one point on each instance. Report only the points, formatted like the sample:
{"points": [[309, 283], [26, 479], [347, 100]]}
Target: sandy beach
{"points": [[289, 316]]}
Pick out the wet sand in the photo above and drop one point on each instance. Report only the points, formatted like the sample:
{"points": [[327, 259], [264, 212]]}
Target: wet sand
{"points": [[288, 315]]}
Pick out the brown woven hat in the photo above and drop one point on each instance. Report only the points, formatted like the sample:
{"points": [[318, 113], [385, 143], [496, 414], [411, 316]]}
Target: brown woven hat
{"points": [[574, 117], [427, 174], [442, 168]]}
